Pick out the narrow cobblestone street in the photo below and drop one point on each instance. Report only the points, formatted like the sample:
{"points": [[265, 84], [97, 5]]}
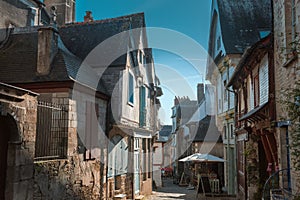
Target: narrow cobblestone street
{"points": [[172, 191]]}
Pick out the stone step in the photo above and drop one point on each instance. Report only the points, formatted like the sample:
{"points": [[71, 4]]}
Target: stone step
{"points": [[140, 197], [120, 197]]}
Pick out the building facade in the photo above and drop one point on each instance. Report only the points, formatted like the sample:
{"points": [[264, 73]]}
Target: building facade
{"points": [[64, 139], [18, 116], [161, 154], [33, 13], [85, 120], [64, 10], [235, 25], [286, 60], [253, 83], [127, 71], [182, 113]]}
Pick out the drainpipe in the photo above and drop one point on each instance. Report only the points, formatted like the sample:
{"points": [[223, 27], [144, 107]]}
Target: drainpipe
{"points": [[288, 157], [286, 125], [235, 183]]}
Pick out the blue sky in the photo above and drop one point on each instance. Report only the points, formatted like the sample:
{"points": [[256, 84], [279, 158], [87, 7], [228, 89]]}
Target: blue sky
{"points": [[179, 73]]}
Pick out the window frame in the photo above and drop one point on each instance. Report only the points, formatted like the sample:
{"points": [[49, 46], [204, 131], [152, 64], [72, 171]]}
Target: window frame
{"points": [[130, 89], [256, 90]]}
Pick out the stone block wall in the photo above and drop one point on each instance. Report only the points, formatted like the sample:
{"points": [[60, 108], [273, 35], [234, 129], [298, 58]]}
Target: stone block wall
{"points": [[21, 142], [76, 177], [252, 168], [11, 12], [147, 187], [128, 186], [72, 178], [287, 72]]}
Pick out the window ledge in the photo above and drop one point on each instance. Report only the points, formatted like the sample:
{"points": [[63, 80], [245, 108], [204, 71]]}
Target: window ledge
{"points": [[37, 160], [130, 104], [120, 195]]}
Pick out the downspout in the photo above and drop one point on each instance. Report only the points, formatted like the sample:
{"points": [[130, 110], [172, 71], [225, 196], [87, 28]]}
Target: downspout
{"points": [[286, 125], [228, 129], [108, 128], [288, 157], [235, 142]]}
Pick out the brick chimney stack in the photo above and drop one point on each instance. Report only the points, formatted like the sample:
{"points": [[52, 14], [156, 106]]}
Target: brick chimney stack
{"points": [[176, 101], [88, 16], [47, 49], [200, 92]]}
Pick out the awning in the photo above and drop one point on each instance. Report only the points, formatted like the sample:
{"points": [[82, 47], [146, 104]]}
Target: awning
{"points": [[202, 158]]}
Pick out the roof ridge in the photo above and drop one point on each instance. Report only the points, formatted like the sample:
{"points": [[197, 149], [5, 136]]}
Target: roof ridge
{"points": [[104, 20]]}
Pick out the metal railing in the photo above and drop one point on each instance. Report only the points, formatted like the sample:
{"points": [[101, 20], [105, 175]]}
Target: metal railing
{"points": [[273, 190], [51, 131]]}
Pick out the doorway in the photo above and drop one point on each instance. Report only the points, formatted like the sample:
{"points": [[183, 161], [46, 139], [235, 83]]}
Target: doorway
{"points": [[8, 130]]}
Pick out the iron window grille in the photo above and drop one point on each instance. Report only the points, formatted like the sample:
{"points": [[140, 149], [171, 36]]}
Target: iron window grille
{"points": [[51, 131]]}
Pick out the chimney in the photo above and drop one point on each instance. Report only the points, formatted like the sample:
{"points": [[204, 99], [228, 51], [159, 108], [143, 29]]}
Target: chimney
{"points": [[200, 92], [88, 16], [47, 49], [176, 101]]}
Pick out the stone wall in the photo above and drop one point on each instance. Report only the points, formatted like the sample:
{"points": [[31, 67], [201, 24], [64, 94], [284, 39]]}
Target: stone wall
{"points": [[21, 115], [78, 176], [287, 72], [252, 168], [147, 187], [72, 178], [11, 12]]}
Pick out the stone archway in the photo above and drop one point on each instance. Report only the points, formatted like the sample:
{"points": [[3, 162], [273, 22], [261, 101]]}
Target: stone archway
{"points": [[8, 132]]}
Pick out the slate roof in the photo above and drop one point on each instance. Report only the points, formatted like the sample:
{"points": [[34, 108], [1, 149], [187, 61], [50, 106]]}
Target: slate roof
{"points": [[186, 109], [81, 38], [18, 52], [18, 62], [207, 131], [164, 133], [241, 21], [260, 47], [166, 130]]}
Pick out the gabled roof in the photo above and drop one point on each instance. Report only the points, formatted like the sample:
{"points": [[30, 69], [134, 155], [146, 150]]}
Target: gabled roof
{"points": [[18, 53], [81, 38], [251, 54], [241, 22], [164, 133], [207, 131], [18, 62], [166, 130]]}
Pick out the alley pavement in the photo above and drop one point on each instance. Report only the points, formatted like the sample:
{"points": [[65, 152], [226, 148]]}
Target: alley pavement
{"points": [[172, 191]]}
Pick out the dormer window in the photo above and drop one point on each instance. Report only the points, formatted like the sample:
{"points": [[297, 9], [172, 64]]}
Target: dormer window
{"points": [[218, 43], [130, 89], [263, 33], [141, 57]]}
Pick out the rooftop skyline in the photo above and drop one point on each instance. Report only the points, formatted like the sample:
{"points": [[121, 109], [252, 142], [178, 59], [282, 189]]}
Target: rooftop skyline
{"points": [[180, 55]]}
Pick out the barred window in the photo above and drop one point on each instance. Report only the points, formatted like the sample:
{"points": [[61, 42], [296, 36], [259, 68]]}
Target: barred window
{"points": [[51, 131]]}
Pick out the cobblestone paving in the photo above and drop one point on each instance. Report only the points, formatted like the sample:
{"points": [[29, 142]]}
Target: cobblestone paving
{"points": [[172, 191]]}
